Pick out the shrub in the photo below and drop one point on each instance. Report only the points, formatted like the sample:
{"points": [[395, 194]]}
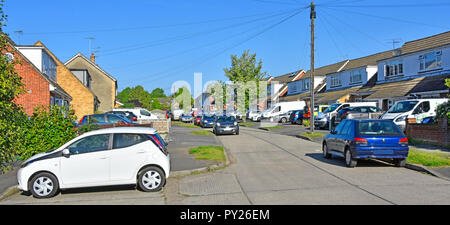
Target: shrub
{"points": [[47, 129]]}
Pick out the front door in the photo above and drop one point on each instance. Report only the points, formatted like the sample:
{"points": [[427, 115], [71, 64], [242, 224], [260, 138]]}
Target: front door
{"points": [[88, 162]]}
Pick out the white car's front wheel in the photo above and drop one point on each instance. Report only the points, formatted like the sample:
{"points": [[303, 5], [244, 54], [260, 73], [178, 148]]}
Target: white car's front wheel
{"points": [[44, 185], [151, 179]]}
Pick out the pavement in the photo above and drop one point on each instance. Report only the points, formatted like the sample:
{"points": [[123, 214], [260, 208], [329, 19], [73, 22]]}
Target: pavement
{"points": [[274, 169], [180, 141]]}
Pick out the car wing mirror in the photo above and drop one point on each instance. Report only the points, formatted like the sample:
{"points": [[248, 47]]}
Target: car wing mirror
{"points": [[66, 152]]}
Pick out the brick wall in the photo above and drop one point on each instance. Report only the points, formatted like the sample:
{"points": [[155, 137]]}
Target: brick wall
{"points": [[82, 98], [37, 88], [434, 133]]}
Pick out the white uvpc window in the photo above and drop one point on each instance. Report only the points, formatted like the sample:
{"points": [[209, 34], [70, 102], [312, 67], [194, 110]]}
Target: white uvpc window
{"points": [[430, 60], [335, 81], [394, 68], [355, 77]]}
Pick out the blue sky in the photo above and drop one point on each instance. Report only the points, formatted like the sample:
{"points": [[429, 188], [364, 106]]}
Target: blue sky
{"points": [[154, 43]]}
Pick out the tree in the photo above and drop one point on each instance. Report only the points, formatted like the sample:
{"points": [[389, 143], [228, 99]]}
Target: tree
{"points": [[244, 69], [158, 93], [11, 114]]}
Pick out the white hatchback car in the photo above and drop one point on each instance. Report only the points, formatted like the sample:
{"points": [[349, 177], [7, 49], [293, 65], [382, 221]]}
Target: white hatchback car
{"points": [[114, 156]]}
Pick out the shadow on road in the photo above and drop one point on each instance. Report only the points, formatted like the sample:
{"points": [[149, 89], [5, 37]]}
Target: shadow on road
{"points": [[338, 161]]}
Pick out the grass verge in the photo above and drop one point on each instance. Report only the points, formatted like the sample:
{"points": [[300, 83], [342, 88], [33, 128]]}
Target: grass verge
{"points": [[316, 134], [271, 128], [215, 153], [245, 124], [431, 159], [188, 125], [201, 132]]}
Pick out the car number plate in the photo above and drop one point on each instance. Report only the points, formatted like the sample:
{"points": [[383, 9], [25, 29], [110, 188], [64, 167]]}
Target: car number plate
{"points": [[383, 152], [227, 128]]}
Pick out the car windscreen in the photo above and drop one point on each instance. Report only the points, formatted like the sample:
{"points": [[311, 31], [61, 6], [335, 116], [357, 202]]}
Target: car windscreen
{"points": [[226, 119], [208, 117], [404, 106], [332, 108], [378, 128]]}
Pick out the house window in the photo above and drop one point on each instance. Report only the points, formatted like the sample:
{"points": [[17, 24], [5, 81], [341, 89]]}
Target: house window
{"points": [[430, 60], [355, 77], [306, 85], [335, 81], [394, 68]]}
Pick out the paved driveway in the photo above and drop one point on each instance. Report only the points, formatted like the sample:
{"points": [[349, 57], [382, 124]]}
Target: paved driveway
{"points": [[277, 169]]}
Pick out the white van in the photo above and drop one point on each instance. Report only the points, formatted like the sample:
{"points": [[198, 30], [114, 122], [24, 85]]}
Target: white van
{"points": [[281, 108], [142, 114], [413, 108], [323, 120], [176, 113]]}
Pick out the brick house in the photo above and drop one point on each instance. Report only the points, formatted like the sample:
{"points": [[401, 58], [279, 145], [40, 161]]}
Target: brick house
{"points": [[102, 84], [84, 102], [40, 89]]}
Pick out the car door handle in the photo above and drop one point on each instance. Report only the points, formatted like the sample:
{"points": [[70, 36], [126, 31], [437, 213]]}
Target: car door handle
{"points": [[104, 157], [141, 151]]}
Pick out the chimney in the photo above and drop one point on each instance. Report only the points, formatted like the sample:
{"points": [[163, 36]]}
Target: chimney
{"points": [[93, 58]]}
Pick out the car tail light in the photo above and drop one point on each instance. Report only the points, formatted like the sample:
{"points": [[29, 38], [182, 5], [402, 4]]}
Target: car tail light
{"points": [[344, 114], [134, 118], [360, 140], [81, 121], [158, 143], [403, 141]]}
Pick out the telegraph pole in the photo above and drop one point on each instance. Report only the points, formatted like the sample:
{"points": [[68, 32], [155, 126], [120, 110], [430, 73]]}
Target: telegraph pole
{"points": [[311, 86]]}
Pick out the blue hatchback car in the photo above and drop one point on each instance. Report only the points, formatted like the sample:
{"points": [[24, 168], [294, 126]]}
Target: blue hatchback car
{"points": [[365, 139]]}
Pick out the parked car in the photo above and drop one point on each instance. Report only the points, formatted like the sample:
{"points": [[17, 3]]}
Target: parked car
{"points": [[283, 118], [253, 113], [281, 108], [236, 114], [414, 108], [114, 156], [105, 120], [207, 121], [226, 125], [319, 109], [186, 118], [197, 120], [358, 112], [365, 139], [296, 117], [329, 115], [129, 115], [142, 114]]}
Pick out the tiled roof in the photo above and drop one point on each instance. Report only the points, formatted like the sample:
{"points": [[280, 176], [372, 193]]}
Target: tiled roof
{"points": [[286, 77], [426, 43], [390, 90], [368, 60], [433, 83], [334, 95]]}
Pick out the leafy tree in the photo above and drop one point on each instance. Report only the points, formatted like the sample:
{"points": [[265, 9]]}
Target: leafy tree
{"points": [[11, 114], [158, 93], [244, 69]]}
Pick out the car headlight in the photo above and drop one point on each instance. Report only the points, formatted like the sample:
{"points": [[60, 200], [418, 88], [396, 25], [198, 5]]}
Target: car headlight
{"points": [[401, 119], [218, 124], [235, 123]]}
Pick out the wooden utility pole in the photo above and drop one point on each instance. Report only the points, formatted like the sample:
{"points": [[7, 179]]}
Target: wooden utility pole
{"points": [[311, 86]]}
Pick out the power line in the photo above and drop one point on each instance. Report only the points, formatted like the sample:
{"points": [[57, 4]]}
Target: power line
{"points": [[394, 5], [389, 18], [186, 36], [147, 27], [211, 56]]}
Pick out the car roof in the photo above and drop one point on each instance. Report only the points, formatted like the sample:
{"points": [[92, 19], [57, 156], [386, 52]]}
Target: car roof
{"points": [[117, 130]]}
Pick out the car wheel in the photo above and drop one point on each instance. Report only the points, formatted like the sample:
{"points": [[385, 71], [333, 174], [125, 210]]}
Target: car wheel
{"points": [[237, 132], [349, 161], [44, 185], [151, 179], [326, 154], [400, 162], [283, 120]]}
